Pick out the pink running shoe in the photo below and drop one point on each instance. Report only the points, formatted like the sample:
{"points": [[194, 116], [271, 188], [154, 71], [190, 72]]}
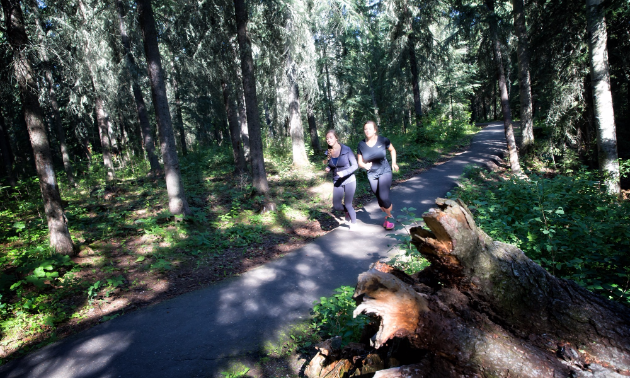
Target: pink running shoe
{"points": [[388, 225], [347, 217]]}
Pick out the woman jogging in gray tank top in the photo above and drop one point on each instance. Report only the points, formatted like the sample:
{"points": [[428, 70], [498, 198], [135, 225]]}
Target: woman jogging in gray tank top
{"points": [[372, 156], [342, 163]]}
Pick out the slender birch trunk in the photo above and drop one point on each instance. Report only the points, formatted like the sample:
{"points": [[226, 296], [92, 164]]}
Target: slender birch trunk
{"points": [[602, 98], [178, 204], [16, 35]]}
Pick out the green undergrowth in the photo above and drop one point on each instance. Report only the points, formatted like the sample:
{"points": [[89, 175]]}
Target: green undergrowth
{"points": [[566, 223], [331, 316]]}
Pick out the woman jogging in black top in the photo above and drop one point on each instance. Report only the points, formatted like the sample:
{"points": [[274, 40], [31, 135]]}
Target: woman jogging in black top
{"points": [[373, 157], [342, 162]]}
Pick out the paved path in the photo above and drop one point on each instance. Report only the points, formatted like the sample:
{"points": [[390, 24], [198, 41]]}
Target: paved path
{"points": [[196, 334]]}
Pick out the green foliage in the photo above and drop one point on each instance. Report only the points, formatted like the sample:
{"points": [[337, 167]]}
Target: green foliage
{"points": [[236, 373], [624, 168], [332, 316], [567, 224]]}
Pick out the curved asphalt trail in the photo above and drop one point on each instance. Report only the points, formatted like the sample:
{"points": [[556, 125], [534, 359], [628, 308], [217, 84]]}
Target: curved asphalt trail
{"points": [[198, 333]]}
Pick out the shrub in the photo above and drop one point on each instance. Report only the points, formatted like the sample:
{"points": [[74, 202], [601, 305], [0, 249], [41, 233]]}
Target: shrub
{"points": [[567, 224]]}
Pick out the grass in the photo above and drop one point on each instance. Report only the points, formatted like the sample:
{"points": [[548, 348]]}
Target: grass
{"points": [[133, 252]]}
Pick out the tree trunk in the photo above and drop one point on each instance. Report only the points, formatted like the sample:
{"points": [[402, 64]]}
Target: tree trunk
{"points": [[295, 119], [56, 117], [312, 125], [141, 108], [61, 135], [178, 205], [331, 112], [16, 35], [525, 85], [242, 120], [505, 101], [235, 131], [7, 153], [413, 64], [602, 98], [374, 103], [259, 175], [102, 119], [484, 309], [178, 108], [494, 99]]}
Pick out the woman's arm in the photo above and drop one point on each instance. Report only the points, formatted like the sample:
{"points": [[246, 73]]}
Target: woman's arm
{"points": [[392, 151], [352, 168], [363, 164]]}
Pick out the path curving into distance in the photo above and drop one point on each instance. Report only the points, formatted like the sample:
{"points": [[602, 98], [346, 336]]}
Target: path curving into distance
{"points": [[197, 334]]}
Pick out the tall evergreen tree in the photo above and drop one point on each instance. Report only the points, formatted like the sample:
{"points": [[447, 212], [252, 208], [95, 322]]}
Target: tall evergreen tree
{"points": [[16, 34], [235, 132], [141, 108], [102, 116], [505, 101], [259, 175], [52, 96], [602, 98], [178, 204], [525, 84]]}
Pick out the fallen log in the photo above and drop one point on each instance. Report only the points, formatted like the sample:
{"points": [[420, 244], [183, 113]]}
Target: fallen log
{"points": [[484, 309]]}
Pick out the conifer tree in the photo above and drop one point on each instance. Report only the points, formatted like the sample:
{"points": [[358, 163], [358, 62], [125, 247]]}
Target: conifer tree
{"points": [[25, 76], [602, 98], [178, 204]]}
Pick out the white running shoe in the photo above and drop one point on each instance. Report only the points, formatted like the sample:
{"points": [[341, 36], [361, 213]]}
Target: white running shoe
{"points": [[353, 226]]}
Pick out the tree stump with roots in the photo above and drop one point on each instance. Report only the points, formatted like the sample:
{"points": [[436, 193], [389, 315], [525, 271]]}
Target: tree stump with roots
{"points": [[482, 309]]}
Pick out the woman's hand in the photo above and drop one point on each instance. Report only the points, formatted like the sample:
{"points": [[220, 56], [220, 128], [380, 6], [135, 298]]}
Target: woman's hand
{"points": [[395, 167], [339, 174], [367, 166], [327, 169]]}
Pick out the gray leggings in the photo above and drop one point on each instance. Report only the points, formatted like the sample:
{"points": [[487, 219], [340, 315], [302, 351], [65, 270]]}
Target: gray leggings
{"points": [[345, 191], [380, 187]]}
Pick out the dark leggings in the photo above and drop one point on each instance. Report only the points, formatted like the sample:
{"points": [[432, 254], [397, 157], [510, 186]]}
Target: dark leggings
{"points": [[345, 191], [380, 187]]}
